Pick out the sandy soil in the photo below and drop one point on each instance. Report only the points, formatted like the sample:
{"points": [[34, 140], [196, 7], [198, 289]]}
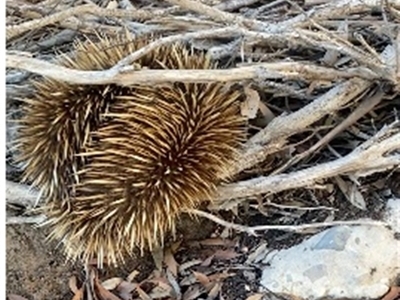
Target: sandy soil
{"points": [[35, 270]]}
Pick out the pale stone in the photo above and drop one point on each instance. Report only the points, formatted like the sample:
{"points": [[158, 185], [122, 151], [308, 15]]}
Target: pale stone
{"points": [[392, 216], [340, 262]]}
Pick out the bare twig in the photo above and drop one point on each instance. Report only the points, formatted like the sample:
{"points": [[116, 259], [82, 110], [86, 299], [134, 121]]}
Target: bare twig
{"points": [[329, 10], [365, 107], [290, 228], [226, 31], [299, 207], [327, 40]]}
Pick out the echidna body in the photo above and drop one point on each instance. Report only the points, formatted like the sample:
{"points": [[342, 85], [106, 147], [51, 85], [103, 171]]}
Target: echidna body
{"points": [[118, 165]]}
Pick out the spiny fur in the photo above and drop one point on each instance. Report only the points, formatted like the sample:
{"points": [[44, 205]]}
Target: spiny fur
{"points": [[118, 165]]}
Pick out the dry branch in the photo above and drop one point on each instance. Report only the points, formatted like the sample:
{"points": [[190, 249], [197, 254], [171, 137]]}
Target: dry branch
{"points": [[272, 138], [290, 228], [217, 14], [15, 30], [128, 75], [330, 10], [368, 156]]}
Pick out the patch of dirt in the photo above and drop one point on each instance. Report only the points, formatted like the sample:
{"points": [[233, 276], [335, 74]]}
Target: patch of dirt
{"points": [[34, 269], [37, 270]]}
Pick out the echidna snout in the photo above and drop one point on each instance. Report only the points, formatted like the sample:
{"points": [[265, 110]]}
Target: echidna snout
{"points": [[118, 165]]}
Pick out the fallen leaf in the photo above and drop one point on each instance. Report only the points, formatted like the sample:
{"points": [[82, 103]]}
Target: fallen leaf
{"points": [[250, 106], [213, 293], [226, 233], [188, 280], [112, 283], [112, 5], [125, 289], [158, 258], [16, 297], [170, 262], [202, 278], [193, 292], [356, 198], [255, 297], [173, 285], [162, 290], [143, 295], [258, 254], [380, 183], [219, 276], [266, 112], [73, 284], [156, 279], [133, 275], [175, 246], [226, 254], [78, 295], [102, 293], [393, 294], [217, 242], [183, 267], [351, 193], [207, 261]]}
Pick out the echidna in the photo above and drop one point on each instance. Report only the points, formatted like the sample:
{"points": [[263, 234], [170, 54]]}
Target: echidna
{"points": [[118, 165]]}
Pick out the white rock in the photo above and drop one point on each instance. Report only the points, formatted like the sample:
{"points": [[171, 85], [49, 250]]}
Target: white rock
{"points": [[392, 216], [340, 262]]}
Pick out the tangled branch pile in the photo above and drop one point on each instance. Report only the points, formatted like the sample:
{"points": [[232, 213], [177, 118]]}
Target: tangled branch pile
{"points": [[321, 77]]}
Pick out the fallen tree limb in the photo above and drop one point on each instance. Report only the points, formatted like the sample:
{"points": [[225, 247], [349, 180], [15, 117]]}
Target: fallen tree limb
{"points": [[217, 14], [289, 228]]}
